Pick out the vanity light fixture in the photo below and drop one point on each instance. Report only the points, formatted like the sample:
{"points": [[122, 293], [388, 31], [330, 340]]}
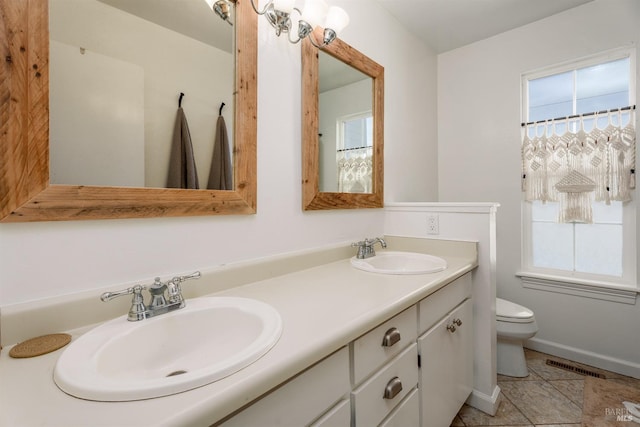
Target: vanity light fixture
{"points": [[222, 8], [314, 13]]}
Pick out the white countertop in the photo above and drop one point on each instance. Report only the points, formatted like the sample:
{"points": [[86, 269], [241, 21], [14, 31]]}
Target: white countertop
{"points": [[323, 308]]}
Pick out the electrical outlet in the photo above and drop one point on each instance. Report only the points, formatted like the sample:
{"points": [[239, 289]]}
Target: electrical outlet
{"points": [[433, 224]]}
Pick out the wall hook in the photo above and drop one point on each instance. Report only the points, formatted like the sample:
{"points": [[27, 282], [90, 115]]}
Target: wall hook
{"points": [[180, 100], [220, 111]]}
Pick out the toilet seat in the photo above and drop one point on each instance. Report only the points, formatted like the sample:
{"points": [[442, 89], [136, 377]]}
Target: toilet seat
{"points": [[507, 311]]}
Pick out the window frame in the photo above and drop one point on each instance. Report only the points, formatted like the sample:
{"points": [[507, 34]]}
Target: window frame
{"points": [[573, 282]]}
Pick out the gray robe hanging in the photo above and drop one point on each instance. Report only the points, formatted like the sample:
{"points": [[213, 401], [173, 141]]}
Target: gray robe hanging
{"points": [[220, 174], [182, 165]]}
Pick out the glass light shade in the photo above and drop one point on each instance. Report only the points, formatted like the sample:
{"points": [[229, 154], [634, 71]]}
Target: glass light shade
{"points": [[284, 5], [314, 12], [337, 19]]}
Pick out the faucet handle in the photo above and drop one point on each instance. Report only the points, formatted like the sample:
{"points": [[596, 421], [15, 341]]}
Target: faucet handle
{"points": [[363, 243], [362, 248], [174, 289], [108, 296], [194, 275], [138, 309]]}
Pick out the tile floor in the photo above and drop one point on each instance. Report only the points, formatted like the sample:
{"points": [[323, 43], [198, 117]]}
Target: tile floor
{"points": [[549, 396]]}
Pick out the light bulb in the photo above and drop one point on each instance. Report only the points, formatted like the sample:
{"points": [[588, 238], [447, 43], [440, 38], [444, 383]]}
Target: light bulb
{"points": [[314, 12], [337, 19], [285, 6]]}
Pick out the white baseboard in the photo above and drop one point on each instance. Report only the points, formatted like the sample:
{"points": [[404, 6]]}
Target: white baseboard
{"points": [[623, 367], [484, 402]]}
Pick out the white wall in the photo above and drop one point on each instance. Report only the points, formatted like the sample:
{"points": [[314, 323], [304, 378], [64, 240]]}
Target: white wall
{"points": [[85, 146], [479, 160], [38, 260]]}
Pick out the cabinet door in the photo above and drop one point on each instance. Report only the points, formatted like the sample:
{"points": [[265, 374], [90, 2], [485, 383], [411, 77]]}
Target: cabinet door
{"points": [[446, 375], [338, 416]]}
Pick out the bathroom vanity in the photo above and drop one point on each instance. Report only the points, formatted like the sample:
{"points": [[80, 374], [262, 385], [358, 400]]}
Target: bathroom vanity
{"points": [[414, 369], [357, 348]]}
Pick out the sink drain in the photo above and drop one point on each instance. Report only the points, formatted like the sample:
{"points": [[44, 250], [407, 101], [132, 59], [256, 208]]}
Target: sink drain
{"points": [[174, 373]]}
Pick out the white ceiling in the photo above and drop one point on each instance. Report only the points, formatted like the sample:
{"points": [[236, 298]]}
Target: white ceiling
{"points": [[449, 24], [443, 24], [193, 18]]}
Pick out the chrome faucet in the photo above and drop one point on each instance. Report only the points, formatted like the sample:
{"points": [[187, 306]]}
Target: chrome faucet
{"points": [[365, 247], [165, 297]]}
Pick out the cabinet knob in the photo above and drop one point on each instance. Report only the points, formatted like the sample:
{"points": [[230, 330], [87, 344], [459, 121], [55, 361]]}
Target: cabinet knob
{"points": [[394, 386], [391, 337], [457, 322], [451, 328]]}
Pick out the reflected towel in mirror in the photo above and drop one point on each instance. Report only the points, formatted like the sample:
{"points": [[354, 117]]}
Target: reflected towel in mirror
{"points": [[182, 165], [220, 174]]}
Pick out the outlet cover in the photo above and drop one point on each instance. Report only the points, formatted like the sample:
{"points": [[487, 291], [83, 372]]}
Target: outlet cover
{"points": [[433, 224]]}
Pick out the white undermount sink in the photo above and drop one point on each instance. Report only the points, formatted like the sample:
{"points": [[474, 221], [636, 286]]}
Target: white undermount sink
{"points": [[394, 262], [209, 339]]}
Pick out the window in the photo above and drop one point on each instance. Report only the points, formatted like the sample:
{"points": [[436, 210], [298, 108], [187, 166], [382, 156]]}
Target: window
{"points": [[603, 251], [355, 153], [598, 87], [355, 131]]}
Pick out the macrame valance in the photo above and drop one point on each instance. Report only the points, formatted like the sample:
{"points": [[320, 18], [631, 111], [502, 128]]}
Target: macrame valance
{"points": [[355, 170], [576, 167]]}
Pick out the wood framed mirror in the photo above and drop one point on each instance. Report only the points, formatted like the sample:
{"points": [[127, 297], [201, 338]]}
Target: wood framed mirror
{"points": [[323, 185], [25, 190]]}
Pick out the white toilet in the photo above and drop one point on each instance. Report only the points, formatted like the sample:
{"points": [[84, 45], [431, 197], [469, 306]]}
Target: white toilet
{"points": [[514, 324]]}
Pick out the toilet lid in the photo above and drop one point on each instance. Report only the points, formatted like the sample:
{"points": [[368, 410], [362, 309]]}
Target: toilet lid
{"points": [[511, 312]]}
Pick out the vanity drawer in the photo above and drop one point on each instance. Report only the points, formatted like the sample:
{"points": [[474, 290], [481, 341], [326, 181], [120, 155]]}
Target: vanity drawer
{"points": [[370, 405], [302, 399], [406, 414], [437, 305], [368, 351]]}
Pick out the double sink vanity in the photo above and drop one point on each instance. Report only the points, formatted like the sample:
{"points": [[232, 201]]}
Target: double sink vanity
{"points": [[326, 343]]}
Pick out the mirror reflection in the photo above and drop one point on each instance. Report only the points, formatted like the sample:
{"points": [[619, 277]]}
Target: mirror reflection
{"points": [[117, 72], [345, 127], [352, 124]]}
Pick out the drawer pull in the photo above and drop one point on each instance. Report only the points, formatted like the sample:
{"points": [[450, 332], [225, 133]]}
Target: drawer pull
{"points": [[393, 388], [391, 337]]}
